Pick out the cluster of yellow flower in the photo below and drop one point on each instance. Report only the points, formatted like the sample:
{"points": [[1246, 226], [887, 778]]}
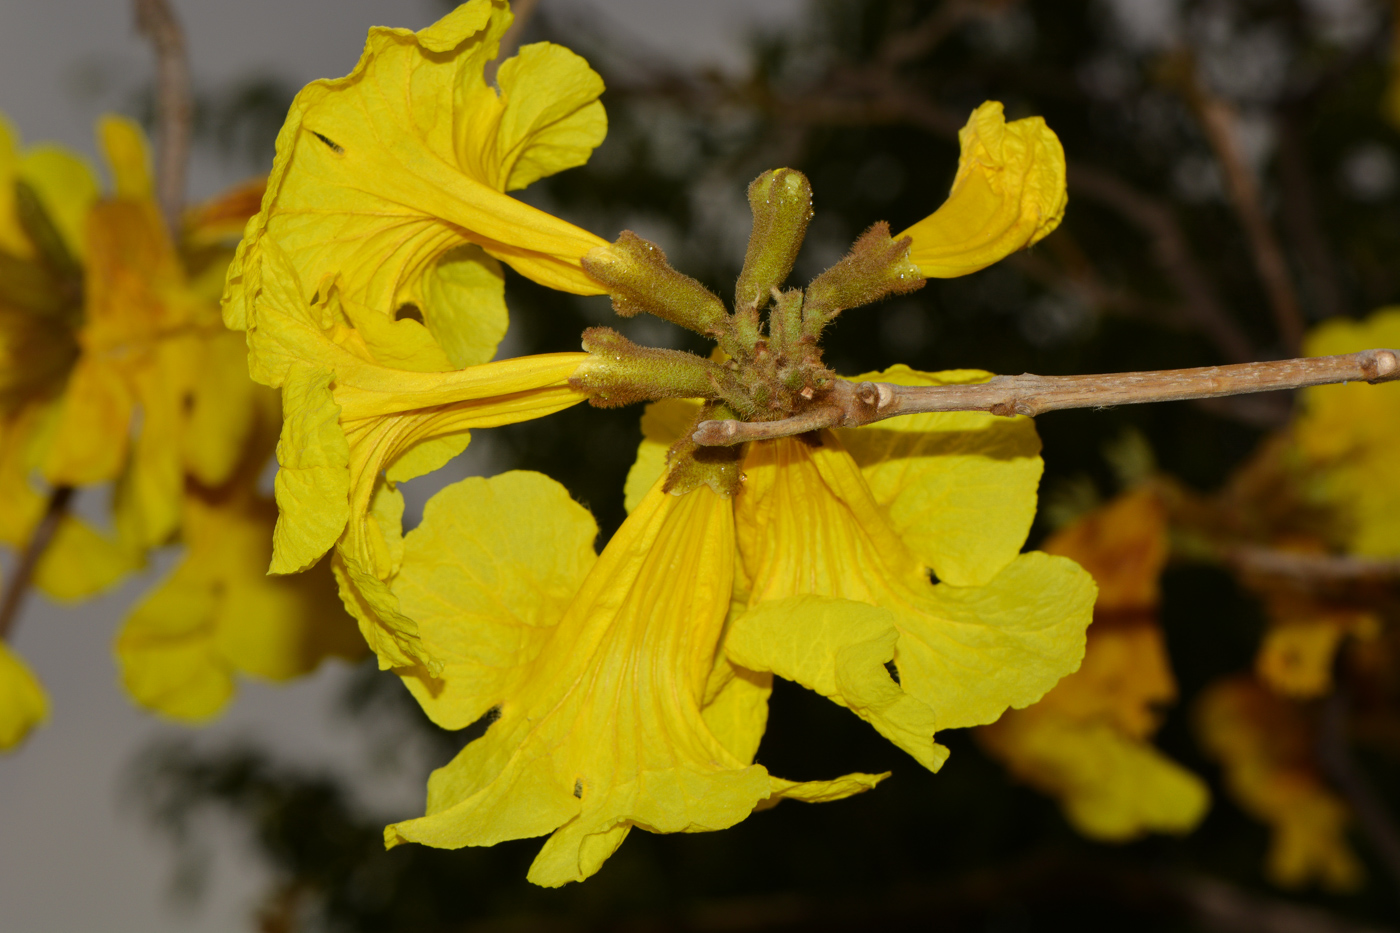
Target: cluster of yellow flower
{"points": [[881, 567], [628, 688], [115, 367]]}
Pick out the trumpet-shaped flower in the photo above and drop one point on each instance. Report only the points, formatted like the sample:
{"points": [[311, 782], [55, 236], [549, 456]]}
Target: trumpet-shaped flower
{"points": [[607, 712], [394, 178], [1087, 743], [369, 402], [1346, 431]]}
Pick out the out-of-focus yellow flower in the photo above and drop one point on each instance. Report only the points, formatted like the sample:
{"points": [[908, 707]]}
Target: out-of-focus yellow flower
{"points": [[1300, 646], [394, 178], [1009, 193], [1347, 432], [218, 614], [1265, 745], [1087, 743]]}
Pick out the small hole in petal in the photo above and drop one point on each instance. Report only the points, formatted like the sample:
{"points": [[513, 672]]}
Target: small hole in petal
{"points": [[578, 788], [409, 312]]}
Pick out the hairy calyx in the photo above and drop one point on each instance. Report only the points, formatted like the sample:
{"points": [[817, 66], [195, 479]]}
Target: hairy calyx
{"points": [[771, 366]]}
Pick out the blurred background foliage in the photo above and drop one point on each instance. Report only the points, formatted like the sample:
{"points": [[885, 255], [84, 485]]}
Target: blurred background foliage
{"points": [[1154, 267]]}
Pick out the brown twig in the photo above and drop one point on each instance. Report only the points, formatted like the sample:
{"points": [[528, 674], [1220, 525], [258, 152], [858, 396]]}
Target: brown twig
{"points": [[1320, 569], [524, 10], [174, 105], [849, 404], [28, 558], [1220, 122]]}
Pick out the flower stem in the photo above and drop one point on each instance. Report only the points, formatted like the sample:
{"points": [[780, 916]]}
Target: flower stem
{"points": [[851, 404], [28, 558], [174, 105]]}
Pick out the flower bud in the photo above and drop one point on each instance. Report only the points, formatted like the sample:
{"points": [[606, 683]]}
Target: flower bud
{"points": [[619, 372], [875, 267], [782, 205], [639, 279]]}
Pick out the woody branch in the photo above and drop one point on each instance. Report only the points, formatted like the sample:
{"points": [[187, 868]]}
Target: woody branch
{"points": [[174, 104], [851, 404]]}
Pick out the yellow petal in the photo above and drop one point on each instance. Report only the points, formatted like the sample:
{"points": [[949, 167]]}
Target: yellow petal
{"points": [[1112, 787], [1299, 649], [128, 157], [91, 440], [313, 475], [67, 187], [78, 561], [735, 708], [487, 576], [219, 614], [808, 524], [958, 487], [605, 731], [222, 409], [839, 649], [465, 293], [1009, 192], [380, 173], [13, 239], [551, 118], [23, 702], [1345, 431]]}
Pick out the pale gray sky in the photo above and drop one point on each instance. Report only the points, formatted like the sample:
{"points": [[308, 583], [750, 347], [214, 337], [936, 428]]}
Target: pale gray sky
{"points": [[72, 858]]}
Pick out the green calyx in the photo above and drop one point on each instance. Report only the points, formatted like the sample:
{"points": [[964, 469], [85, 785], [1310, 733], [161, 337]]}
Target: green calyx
{"points": [[769, 372]]}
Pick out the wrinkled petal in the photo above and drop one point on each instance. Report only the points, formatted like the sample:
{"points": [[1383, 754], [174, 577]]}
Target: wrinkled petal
{"points": [[958, 487], [23, 702], [487, 575], [605, 731], [839, 649], [313, 473], [380, 173], [1009, 193], [808, 524]]}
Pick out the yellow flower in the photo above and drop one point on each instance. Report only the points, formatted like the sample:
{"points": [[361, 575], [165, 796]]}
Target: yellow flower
{"points": [[1087, 743], [1299, 649], [1265, 745], [394, 178], [369, 402], [1009, 193], [218, 613], [633, 691], [1346, 432], [621, 695], [608, 710], [387, 191]]}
